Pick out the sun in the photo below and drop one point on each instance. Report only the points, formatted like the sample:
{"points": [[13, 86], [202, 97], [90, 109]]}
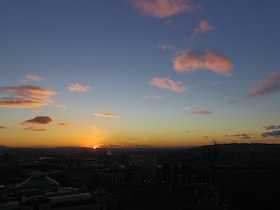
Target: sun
{"points": [[96, 146]]}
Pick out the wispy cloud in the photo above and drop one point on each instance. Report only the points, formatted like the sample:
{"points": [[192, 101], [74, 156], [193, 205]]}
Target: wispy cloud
{"points": [[272, 133], [33, 77], [189, 61], [78, 88], [203, 27], [272, 127], [64, 124], [239, 135], [151, 97], [25, 97], [233, 101], [108, 115], [2, 127], [267, 86], [165, 46], [39, 120], [37, 110], [188, 107], [163, 8], [166, 83], [168, 21], [34, 129], [203, 112]]}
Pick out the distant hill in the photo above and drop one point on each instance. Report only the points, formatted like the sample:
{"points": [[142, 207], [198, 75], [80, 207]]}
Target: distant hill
{"points": [[235, 147], [34, 151], [235, 150], [222, 149]]}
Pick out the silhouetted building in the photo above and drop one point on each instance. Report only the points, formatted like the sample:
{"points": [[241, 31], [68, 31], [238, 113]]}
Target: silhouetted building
{"points": [[161, 196], [120, 174], [81, 176], [39, 192], [38, 183], [184, 174], [248, 184]]}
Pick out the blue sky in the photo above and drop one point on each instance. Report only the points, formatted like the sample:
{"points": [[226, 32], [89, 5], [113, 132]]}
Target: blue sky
{"points": [[139, 72]]}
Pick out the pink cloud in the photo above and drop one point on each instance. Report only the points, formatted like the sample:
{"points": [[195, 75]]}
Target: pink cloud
{"points": [[203, 27], [166, 83], [204, 112], [78, 88], [108, 115], [25, 97], [39, 120], [163, 8], [33, 77], [267, 86], [193, 61]]}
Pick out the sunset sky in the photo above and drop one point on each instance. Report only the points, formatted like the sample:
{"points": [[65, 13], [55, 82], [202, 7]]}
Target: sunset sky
{"points": [[139, 72]]}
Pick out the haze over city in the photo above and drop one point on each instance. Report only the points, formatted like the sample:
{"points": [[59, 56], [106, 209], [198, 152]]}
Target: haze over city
{"points": [[139, 73]]}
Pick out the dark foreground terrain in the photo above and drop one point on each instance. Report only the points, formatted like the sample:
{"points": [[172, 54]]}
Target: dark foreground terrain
{"points": [[230, 176]]}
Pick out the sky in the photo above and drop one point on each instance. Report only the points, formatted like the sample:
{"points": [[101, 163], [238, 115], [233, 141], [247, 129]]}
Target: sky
{"points": [[139, 73]]}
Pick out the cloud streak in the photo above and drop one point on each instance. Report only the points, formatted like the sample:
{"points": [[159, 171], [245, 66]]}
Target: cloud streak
{"points": [[233, 101], [267, 86], [151, 97], [32, 77], [34, 129], [107, 115], [39, 120], [165, 46], [239, 135], [64, 124], [272, 127], [25, 97], [163, 8], [166, 83], [189, 61], [272, 133], [2, 127], [78, 88], [203, 112], [189, 107]]}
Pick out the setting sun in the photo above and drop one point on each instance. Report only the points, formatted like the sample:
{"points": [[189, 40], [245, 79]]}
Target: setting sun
{"points": [[96, 146]]}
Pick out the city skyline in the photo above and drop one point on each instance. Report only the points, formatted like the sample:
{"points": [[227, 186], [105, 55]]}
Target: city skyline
{"points": [[139, 73]]}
